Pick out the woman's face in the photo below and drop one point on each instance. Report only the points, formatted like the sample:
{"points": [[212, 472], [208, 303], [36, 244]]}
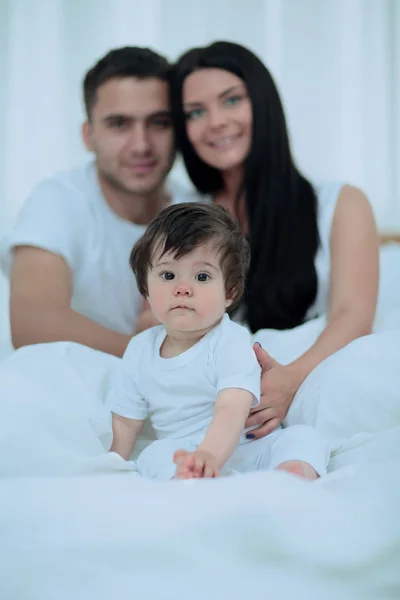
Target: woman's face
{"points": [[218, 117]]}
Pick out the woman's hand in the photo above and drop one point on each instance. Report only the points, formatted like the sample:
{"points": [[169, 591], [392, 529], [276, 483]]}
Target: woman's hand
{"points": [[279, 384]]}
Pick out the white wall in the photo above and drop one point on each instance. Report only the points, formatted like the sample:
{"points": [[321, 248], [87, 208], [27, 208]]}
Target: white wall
{"points": [[335, 62]]}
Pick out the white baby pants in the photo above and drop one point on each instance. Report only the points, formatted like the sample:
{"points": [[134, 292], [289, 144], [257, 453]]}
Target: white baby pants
{"points": [[299, 442]]}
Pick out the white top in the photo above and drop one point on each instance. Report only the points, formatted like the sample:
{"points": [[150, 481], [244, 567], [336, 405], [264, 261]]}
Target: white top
{"points": [[179, 393], [68, 215], [327, 195]]}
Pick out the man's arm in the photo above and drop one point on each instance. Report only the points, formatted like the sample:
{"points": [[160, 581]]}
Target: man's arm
{"points": [[40, 305], [223, 434]]}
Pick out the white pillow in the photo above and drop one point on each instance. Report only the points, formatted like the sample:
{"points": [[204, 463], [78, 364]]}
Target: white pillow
{"points": [[67, 379], [356, 390]]}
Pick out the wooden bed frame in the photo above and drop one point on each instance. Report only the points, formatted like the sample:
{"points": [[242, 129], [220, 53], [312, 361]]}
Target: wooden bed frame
{"points": [[387, 238]]}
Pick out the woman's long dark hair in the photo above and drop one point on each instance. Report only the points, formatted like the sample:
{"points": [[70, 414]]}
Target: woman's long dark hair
{"points": [[281, 204]]}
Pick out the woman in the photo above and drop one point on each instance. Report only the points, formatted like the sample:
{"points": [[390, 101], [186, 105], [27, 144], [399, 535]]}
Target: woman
{"points": [[314, 248]]}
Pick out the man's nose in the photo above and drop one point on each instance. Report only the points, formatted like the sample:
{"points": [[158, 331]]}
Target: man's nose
{"points": [[139, 139]]}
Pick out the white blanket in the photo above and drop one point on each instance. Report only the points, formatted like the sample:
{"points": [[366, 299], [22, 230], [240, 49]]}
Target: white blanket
{"points": [[76, 522]]}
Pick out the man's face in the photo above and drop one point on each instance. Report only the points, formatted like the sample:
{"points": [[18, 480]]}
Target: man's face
{"points": [[130, 133]]}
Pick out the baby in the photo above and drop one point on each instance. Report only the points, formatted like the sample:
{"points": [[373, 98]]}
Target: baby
{"points": [[196, 376]]}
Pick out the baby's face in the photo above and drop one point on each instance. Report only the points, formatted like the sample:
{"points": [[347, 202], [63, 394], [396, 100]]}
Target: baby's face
{"points": [[188, 294]]}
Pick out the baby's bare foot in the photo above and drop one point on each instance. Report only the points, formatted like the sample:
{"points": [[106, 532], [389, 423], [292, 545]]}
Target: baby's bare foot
{"points": [[299, 468]]}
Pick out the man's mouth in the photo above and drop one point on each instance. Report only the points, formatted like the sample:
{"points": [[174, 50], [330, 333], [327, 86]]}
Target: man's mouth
{"points": [[141, 166]]}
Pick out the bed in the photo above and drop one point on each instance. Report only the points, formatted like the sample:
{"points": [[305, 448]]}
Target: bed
{"points": [[77, 522]]}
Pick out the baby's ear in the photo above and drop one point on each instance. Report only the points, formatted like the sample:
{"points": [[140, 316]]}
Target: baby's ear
{"points": [[230, 297]]}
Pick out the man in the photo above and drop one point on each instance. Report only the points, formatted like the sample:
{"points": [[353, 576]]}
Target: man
{"points": [[68, 255]]}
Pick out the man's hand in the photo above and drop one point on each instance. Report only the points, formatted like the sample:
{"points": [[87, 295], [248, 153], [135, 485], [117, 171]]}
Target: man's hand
{"points": [[195, 465], [146, 319], [279, 385]]}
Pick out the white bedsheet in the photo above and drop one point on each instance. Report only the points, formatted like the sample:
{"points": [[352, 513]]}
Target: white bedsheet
{"points": [[263, 535], [76, 522]]}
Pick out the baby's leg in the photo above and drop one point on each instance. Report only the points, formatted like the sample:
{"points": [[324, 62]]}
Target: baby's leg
{"points": [[298, 467], [300, 450], [156, 461], [252, 456]]}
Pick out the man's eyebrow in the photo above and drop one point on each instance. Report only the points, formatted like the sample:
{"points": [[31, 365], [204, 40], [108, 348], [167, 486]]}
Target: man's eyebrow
{"points": [[115, 116], [220, 95], [163, 114], [159, 113]]}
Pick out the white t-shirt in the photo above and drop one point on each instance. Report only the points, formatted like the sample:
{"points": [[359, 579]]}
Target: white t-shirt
{"points": [[68, 215], [179, 393]]}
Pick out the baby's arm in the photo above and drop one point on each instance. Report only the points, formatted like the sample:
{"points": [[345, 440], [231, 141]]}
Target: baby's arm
{"points": [[128, 407], [223, 434], [231, 410], [125, 432]]}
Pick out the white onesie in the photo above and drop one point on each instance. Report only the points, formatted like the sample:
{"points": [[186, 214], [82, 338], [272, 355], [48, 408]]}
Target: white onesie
{"points": [[179, 395]]}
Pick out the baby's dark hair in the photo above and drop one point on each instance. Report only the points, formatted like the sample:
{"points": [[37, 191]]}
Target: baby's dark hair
{"points": [[183, 227]]}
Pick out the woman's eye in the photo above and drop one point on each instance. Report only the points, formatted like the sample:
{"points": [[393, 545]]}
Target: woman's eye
{"points": [[196, 113], [167, 276], [232, 100], [202, 277]]}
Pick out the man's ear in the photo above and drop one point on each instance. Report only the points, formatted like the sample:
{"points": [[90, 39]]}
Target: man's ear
{"points": [[87, 135]]}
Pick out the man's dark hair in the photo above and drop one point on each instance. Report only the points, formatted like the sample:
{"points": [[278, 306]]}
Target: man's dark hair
{"points": [[130, 61], [183, 227]]}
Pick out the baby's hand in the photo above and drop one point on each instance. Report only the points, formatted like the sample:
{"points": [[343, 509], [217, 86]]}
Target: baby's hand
{"points": [[194, 465]]}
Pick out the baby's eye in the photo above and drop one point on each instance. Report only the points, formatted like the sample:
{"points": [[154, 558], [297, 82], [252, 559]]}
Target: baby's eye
{"points": [[167, 276], [202, 277]]}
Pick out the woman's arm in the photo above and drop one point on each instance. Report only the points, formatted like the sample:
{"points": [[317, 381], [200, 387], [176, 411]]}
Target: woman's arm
{"points": [[352, 304], [354, 280]]}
